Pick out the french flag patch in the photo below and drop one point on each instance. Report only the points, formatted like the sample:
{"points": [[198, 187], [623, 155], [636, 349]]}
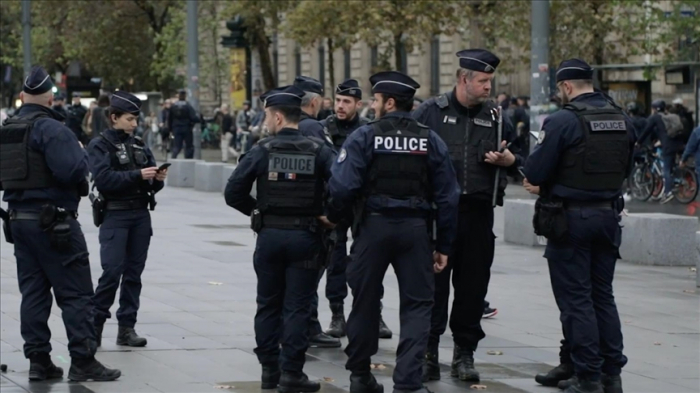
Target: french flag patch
{"points": [[290, 176]]}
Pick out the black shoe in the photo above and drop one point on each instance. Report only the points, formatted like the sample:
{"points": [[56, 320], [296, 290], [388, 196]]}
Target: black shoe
{"points": [[322, 340], [431, 366], [466, 370], [297, 382], [489, 312], [42, 368], [365, 383], [98, 334], [612, 384], [384, 331], [567, 382], [127, 336], [585, 386], [270, 376], [337, 326], [456, 361], [561, 372], [82, 370]]}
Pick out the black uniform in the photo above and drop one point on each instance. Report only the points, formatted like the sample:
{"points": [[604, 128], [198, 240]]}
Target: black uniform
{"points": [[181, 119], [76, 114], [309, 126], [582, 157]]}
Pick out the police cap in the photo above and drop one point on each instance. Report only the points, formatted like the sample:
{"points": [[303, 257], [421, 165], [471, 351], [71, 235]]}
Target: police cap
{"points": [[393, 83], [478, 60], [125, 102], [283, 96], [349, 88], [37, 82], [574, 69], [309, 85]]}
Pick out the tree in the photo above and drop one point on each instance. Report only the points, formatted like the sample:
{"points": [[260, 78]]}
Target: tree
{"points": [[309, 24], [260, 17]]}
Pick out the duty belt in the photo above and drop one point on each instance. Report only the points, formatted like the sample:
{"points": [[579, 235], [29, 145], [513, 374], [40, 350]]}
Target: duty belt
{"points": [[34, 216], [129, 204], [570, 204], [288, 222]]}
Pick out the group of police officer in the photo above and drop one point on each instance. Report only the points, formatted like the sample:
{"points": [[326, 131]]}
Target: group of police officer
{"points": [[44, 173]]}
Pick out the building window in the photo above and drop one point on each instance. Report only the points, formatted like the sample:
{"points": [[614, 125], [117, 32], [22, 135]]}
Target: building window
{"points": [[435, 66], [297, 60], [322, 65], [347, 63], [373, 58]]}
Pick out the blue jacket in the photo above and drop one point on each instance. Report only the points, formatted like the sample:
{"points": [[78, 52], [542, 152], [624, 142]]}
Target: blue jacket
{"points": [[693, 148], [311, 127], [64, 156], [184, 124]]}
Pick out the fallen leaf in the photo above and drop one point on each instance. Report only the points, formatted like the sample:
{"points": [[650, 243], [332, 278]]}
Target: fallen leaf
{"points": [[222, 387], [215, 283], [657, 343], [688, 291], [693, 269], [494, 353], [478, 387], [328, 379]]}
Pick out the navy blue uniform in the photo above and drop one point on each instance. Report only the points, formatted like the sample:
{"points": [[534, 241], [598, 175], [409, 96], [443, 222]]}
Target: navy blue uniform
{"points": [[285, 287], [583, 263], [181, 119], [41, 268], [125, 234], [394, 232], [311, 127]]}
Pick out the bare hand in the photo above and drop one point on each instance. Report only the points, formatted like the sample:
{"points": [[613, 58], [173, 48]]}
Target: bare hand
{"points": [[149, 173], [161, 175], [325, 222], [530, 188], [505, 158], [439, 262], [682, 164]]}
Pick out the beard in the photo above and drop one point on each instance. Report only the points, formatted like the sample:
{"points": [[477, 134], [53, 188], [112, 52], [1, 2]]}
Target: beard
{"points": [[381, 112], [564, 98]]}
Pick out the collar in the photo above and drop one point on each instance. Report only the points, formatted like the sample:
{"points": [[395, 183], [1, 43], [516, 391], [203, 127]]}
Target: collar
{"points": [[33, 108], [589, 97], [348, 123], [288, 131], [398, 115], [461, 109], [117, 135]]}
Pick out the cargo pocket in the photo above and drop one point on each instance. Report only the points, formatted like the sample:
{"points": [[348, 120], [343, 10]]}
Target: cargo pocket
{"points": [[106, 235]]}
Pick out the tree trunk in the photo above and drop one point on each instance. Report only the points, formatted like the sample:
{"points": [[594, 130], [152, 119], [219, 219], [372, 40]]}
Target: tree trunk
{"points": [[262, 44], [331, 63], [397, 51]]}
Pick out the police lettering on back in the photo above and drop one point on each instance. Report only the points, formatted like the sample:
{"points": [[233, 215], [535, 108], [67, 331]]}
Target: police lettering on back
{"points": [[608, 125], [291, 163], [400, 144]]}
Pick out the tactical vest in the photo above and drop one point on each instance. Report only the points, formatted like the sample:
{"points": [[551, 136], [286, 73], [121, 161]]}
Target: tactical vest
{"points": [[468, 140], [600, 160], [399, 167], [21, 167], [338, 135], [126, 157], [293, 185]]}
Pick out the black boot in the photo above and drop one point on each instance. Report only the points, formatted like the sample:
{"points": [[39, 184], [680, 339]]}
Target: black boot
{"points": [[456, 361], [41, 367], [585, 386], [466, 370], [127, 336], [567, 382], [612, 384], [82, 370], [365, 383], [559, 373], [270, 376], [384, 331], [431, 366], [337, 326], [297, 382], [322, 340], [98, 334]]}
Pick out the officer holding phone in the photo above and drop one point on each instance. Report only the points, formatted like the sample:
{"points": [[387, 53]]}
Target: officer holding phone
{"points": [[127, 179]]}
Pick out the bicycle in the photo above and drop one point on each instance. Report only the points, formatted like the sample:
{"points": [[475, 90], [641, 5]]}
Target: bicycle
{"points": [[685, 184], [641, 182]]}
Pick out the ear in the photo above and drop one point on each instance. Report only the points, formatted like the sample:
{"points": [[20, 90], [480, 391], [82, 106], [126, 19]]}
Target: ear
{"points": [[21, 96]]}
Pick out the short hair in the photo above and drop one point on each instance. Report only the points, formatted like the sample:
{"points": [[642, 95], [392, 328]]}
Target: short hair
{"points": [[292, 114], [580, 83], [113, 111], [308, 97], [103, 100], [402, 104], [181, 95], [465, 72]]}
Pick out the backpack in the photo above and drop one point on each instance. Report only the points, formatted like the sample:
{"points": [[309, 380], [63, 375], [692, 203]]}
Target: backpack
{"points": [[672, 123]]}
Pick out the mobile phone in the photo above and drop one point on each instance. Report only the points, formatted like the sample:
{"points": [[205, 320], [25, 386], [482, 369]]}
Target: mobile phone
{"points": [[520, 169], [164, 166]]}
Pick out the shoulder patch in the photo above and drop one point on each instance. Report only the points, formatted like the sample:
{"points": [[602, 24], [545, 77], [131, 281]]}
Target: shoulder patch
{"points": [[540, 137], [442, 101], [342, 155]]}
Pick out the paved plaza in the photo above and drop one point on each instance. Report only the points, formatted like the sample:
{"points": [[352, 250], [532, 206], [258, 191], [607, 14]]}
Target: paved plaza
{"points": [[198, 304]]}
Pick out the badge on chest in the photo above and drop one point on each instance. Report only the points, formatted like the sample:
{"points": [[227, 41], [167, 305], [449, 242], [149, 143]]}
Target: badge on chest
{"points": [[400, 144]]}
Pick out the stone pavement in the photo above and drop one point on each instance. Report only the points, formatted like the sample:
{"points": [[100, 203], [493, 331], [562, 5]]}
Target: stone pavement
{"points": [[198, 304]]}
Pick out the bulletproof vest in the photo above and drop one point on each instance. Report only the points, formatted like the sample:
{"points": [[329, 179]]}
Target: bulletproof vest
{"points": [[292, 185], [339, 135], [399, 167], [600, 160], [21, 167], [179, 110], [468, 140], [126, 157]]}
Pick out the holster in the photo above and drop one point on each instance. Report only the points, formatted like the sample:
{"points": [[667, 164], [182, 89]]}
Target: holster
{"points": [[550, 218], [152, 201], [54, 219], [328, 241], [6, 228], [98, 209], [256, 221]]}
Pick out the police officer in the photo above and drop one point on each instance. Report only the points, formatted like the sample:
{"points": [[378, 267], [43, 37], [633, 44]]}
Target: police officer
{"points": [[291, 171], [58, 105], [392, 170], [76, 114], [583, 154], [180, 122], [310, 106], [338, 127], [127, 179], [468, 122], [43, 170]]}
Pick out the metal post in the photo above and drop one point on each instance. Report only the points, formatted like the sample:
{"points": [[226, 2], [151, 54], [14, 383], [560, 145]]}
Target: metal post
{"points": [[539, 65], [193, 70], [27, 36]]}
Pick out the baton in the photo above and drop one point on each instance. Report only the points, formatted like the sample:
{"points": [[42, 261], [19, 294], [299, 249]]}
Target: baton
{"points": [[498, 169]]}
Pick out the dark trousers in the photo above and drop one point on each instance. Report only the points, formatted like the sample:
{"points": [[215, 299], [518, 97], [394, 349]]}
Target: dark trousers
{"points": [[336, 281], [286, 286], [40, 269], [470, 266], [181, 137], [124, 240], [403, 243], [581, 269]]}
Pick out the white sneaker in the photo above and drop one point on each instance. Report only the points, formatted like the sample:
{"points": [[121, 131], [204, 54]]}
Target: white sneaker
{"points": [[667, 198]]}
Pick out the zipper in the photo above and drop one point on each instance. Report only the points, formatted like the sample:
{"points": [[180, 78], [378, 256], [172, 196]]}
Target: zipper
{"points": [[465, 148]]}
